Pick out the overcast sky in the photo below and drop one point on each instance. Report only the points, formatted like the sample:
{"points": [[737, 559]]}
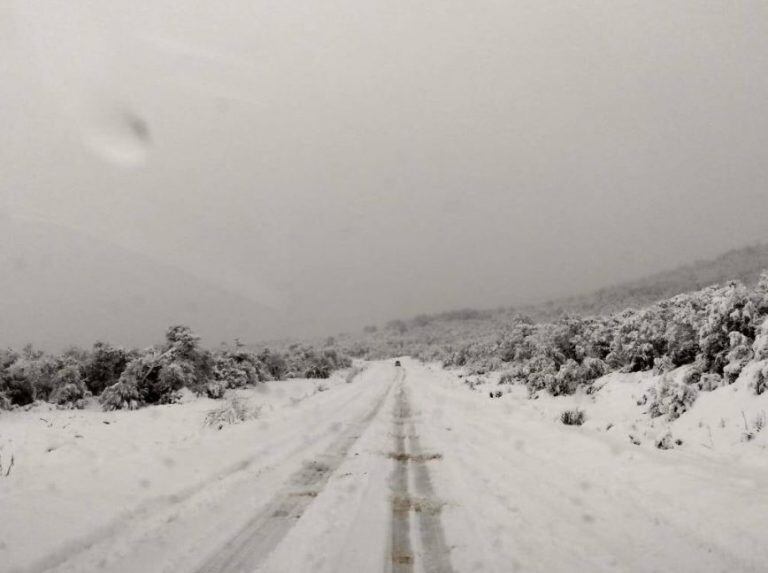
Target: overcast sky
{"points": [[350, 161]]}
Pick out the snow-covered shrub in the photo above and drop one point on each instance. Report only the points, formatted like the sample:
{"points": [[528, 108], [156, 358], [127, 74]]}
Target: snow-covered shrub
{"points": [[194, 365], [539, 373], [227, 374], [153, 378], [671, 398], [760, 346], [574, 417], [234, 411], [513, 345], [17, 386], [237, 368], [317, 370], [5, 402], [358, 349], [760, 295], [71, 395], [594, 368], [157, 374], [69, 387], [693, 373], [123, 395], [104, 366], [758, 423], [759, 382], [568, 378], [729, 310], [667, 442], [738, 356], [662, 365], [30, 377], [600, 338], [509, 377], [459, 357], [306, 362], [275, 365], [710, 381], [639, 340], [682, 315], [141, 383], [215, 389]]}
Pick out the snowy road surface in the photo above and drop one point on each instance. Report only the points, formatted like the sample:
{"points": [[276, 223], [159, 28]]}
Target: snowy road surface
{"points": [[406, 470]]}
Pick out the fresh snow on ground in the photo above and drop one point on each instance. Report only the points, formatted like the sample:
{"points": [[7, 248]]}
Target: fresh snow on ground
{"points": [[716, 425], [81, 475], [503, 482]]}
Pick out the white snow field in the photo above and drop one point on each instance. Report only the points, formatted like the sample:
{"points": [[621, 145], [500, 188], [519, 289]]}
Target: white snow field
{"points": [[402, 469]]}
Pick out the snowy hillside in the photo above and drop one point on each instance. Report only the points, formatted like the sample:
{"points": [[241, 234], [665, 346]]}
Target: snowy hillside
{"points": [[743, 265], [52, 278]]}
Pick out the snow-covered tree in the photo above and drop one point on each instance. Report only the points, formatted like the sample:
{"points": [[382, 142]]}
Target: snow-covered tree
{"points": [[729, 309], [104, 366], [738, 356]]}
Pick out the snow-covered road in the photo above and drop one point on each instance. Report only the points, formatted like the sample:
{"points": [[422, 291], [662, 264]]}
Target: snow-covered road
{"points": [[406, 470]]}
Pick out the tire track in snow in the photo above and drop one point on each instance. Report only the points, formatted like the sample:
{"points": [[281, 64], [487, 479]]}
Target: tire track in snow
{"points": [[135, 517], [436, 559], [401, 553], [255, 541], [435, 551]]}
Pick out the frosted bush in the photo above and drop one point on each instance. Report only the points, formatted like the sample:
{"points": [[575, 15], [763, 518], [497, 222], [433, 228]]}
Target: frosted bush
{"points": [[509, 377], [567, 379], [104, 366], [575, 417], [671, 398], [123, 395], [662, 365], [234, 411], [71, 395], [738, 357], [539, 373], [729, 310], [237, 368], [760, 346], [69, 388], [594, 368], [759, 382], [667, 442], [710, 381], [215, 389], [29, 378]]}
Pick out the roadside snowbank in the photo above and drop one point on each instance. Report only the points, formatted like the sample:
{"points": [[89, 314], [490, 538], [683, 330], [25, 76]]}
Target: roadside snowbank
{"points": [[524, 492], [726, 422]]}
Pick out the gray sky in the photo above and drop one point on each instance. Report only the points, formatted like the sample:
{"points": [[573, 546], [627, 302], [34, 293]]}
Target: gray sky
{"points": [[349, 161]]}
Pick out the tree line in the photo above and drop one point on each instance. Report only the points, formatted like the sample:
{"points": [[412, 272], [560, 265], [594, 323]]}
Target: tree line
{"points": [[129, 378]]}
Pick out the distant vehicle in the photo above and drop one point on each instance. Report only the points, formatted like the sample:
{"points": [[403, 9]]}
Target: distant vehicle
{"points": [[397, 363]]}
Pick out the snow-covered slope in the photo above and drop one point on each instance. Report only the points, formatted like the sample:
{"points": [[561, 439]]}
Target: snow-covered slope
{"points": [[79, 478], [744, 264], [527, 493], [727, 422], [59, 287]]}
